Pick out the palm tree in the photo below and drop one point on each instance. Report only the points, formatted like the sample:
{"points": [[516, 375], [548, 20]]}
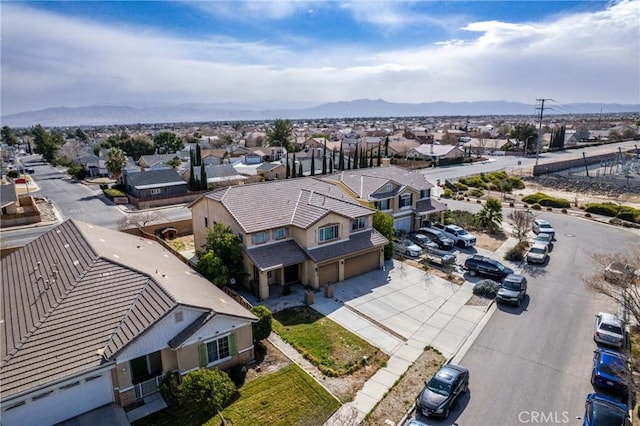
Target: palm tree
{"points": [[490, 217], [116, 160]]}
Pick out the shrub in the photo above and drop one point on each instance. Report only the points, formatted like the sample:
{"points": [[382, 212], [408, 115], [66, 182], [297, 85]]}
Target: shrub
{"points": [[534, 198], [604, 209], [461, 186], [206, 390], [13, 174], [536, 206], [555, 202], [549, 209], [447, 193], [629, 214], [77, 171], [238, 373], [511, 204], [475, 192], [113, 192], [474, 181], [262, 328], [516, 182], [587, 215], [486, 288], [564, 211], [516, 253], [170, 388]]}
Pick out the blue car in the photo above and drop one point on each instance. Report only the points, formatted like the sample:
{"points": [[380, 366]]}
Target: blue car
{"points": [[610, 371], [604, 410]]}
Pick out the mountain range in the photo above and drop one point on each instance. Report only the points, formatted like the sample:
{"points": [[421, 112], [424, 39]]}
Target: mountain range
{"points": [[362, 108]]}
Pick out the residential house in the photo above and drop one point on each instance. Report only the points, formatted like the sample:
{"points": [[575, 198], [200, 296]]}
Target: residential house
{"points": [[303, 230], [403, 194], [436, 152], [217, 175], [272, 170], [154, 184], [158, 161], [93, 316], [15, 209]]}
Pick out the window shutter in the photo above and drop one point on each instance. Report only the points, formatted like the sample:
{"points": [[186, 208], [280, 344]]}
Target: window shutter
{"points": [[232, 344], [202, 352]]}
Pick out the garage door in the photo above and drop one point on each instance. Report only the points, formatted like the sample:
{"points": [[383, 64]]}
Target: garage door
{"points": [[403, 224], [360, 264], [50, 407], [328, 273]]}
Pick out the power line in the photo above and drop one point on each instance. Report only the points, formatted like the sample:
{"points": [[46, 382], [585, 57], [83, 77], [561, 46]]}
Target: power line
{"points": [[541, 108]]}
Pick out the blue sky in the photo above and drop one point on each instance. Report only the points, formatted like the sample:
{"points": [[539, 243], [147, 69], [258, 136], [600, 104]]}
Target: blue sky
{"points": [[273, 53]]}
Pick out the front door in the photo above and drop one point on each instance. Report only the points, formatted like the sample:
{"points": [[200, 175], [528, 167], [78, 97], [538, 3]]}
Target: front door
{"points": [[291, 274]]}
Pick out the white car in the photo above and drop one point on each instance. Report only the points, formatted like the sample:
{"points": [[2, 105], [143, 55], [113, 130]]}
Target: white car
{"points": [[407, 248], [537, 253], [541, 225], [545, 239], [609, 330]]}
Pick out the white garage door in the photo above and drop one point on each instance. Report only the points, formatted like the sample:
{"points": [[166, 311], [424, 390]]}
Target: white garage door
{"points": [[53, 406], [403, 224]]}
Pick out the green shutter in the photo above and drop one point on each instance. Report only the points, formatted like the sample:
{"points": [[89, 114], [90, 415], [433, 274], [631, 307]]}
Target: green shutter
{"points": [[202, 352], [232, 344]]}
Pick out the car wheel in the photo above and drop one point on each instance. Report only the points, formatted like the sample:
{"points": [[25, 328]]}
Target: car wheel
{"points": [[466, 388], [445, 413], [408, 253], [472, 272], [519, 301]]}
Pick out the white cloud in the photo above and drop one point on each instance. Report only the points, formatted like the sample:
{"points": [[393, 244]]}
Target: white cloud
{"points": [[49, 60]]}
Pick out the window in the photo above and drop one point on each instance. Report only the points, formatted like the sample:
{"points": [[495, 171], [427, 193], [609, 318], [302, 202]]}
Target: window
{"points": [[328, 233], [42, 395], [259, 237], [405, 200], [358, 224], [206, 222], [218, 349], [156, 191], [179, 316], [381, 205], [280, 233], [425, 193], [389, 186], [70, 385]]}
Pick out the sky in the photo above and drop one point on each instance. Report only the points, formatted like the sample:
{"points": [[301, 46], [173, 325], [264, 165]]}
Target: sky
{"points": [[302, 53]]}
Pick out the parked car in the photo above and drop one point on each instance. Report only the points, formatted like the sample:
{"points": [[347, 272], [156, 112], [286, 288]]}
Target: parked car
{"points": [[482, 265], [541, 225], [407, 247], [438, 237], [605, 410], [538, 253], [458, 234], [513, 289], [618, 271], [610, 371], [440, 257], [609, 330], [423, 241], [440, 393], [544, 238]]}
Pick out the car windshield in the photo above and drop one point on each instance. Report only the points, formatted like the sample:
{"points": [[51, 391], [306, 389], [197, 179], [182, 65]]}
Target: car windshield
{"points": [[500, 266], [510, 285], [613, 366], [462, 232], [439, 387], [537, 250], [605, 414], [545, 225], [611, 328], [543, 237]]}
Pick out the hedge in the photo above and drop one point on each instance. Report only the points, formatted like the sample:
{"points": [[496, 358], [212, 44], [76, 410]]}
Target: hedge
{"points": [[627, 213], [546, 200]]}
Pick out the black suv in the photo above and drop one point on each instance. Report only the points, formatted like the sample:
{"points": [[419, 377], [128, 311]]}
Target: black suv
{"points": [[482, 265], [440, 393], [438, 237]]}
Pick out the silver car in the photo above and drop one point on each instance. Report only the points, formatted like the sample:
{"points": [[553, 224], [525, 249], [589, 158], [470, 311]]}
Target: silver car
{"points": [[538, 253], [609, 330], [408, 248]]}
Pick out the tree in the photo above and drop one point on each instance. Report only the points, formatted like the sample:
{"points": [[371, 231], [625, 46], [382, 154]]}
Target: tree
{"points": [[221, 257], [379, 155], [526, 133], [300, 171], [522, 220], [137, 147], [386, 147], [313, 163], [167, 143], [174, 163], [281, 133], [40, 138], [9, 136], [116, 161], [203, 177], [341, 158], [383, 223], [262, 328], [557, 137], [137, 220], [81, 135], [294, 169], [324, 160], [490, 217], [355, 158], [206, 390]]}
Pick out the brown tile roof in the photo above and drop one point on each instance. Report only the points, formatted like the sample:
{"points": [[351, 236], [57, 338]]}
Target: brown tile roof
{"points": [[357, 242], [276, 255], [80, 293], [429, 206], [300, 202], [365, 182]]}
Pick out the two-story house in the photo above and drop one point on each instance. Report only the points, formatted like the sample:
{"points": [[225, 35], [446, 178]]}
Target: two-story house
{"points": [[293, 231], [403, 194]]}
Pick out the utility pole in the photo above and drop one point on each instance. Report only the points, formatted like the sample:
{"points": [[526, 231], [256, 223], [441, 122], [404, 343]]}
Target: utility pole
{"points": [[539, 142]]}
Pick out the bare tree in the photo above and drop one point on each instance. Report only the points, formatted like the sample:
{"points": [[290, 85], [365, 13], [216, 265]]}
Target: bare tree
{"points": [[137, 220], [618, 277], [522, 220]]}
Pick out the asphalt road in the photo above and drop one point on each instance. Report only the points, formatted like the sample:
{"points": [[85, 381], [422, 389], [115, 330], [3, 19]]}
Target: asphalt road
{"points": [[532, 365]]}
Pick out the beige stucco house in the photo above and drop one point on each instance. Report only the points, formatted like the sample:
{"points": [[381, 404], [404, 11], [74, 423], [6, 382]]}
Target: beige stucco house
{"points": [[303, 230], [93, 316]]}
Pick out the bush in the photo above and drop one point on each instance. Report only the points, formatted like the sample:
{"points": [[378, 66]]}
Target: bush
{"points": [[549, 209], [77, 171], [206, 390], [516, 182], [587, 215], [475, 192], [486, 288], [545, 200], [447, 193], [13, 174], [262, 328], [536, 206], [170, 388], [238, 373], [604, 209], [564, 211], [461, 186], [474, 181], [516, 253], [113, 192]]}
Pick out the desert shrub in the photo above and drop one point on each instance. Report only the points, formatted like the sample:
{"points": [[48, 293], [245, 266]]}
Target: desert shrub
{"points": [[511, 204], [549, 209], [461, 186], [516, 182], [493, 176], [475, 192], [238, 373], [473, 181], [517, 252], [486, 288], [564, 211], [604, 209], [629, 214], [559, 203], [447, 193], [493, 186], [587, 215], [536, 206], [534, 198], [77, 171]]}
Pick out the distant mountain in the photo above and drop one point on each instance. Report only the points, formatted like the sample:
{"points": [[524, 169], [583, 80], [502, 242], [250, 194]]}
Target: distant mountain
{"points": [[106, 115]]}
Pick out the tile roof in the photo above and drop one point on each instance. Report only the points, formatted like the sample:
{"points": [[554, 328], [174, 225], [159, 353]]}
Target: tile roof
{"points": [[78, 294], [356, 242], [300, 202], [276, 255], [429, 206], [365, 182], [8, 194]]}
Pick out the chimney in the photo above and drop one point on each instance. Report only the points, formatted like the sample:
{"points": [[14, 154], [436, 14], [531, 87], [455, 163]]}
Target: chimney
{"points": [[386, 162]]}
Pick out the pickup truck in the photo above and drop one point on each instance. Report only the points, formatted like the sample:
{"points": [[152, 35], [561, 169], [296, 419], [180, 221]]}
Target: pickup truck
{"points": [[461, 237]]}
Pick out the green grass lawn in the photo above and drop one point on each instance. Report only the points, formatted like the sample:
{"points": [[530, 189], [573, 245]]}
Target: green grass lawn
{"points": [[287, 397], [333, 349]]}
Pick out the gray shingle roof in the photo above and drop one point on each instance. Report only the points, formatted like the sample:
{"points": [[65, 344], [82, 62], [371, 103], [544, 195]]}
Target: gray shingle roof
{"points": [[80, 293], [300, 202], [429, 206], [8, 194], [356, 242], [276, 255], [155, 177], [365, 182]]}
